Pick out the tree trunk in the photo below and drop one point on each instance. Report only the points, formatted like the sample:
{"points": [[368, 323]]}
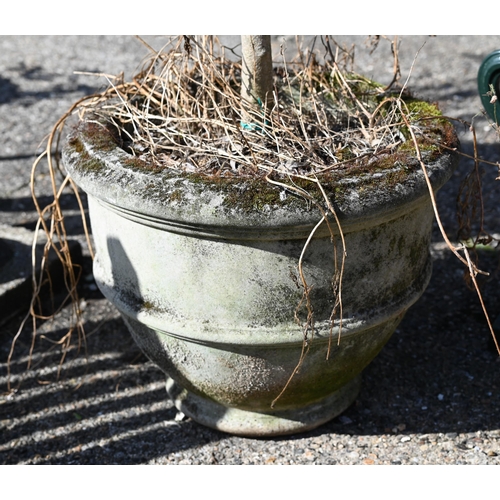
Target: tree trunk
{"points": [[256, 79]]}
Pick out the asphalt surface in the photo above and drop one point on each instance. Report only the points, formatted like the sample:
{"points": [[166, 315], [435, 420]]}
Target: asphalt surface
{"points": [[431, 397]]}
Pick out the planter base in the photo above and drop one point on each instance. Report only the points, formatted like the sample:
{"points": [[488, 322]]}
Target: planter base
{"points": [[257, 424]]}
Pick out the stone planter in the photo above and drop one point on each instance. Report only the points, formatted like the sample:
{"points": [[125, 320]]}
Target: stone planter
{"points": [[203, 275]]}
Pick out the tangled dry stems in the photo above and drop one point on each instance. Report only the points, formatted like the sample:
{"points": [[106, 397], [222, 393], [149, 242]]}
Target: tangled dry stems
{"points": [[183, 111]]}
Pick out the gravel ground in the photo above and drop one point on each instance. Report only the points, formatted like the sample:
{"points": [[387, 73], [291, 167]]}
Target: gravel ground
{"points": [[431, 397]]}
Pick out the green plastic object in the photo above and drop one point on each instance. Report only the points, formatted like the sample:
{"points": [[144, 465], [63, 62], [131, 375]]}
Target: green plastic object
{"points": [[488, 81]]}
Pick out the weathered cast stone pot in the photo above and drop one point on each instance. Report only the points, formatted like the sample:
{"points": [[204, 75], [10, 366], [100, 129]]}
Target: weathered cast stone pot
{"points": [[204, 273]]}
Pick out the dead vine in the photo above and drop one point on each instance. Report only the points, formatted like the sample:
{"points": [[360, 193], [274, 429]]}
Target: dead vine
{"points": [[466, 260], [51, 223]]}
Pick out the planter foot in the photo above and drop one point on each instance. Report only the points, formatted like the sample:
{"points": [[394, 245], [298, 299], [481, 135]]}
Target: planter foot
{"points": [[258, 424]]}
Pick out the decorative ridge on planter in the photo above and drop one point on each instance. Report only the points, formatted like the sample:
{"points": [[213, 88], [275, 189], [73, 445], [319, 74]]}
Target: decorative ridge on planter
{"points": [[155, 316]]}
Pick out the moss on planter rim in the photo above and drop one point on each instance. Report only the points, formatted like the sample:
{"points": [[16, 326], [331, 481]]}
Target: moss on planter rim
{"points": [[256, 194]]}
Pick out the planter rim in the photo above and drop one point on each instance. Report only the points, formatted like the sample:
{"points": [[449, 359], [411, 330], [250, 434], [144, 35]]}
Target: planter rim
{"points": [[191, 203]]}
